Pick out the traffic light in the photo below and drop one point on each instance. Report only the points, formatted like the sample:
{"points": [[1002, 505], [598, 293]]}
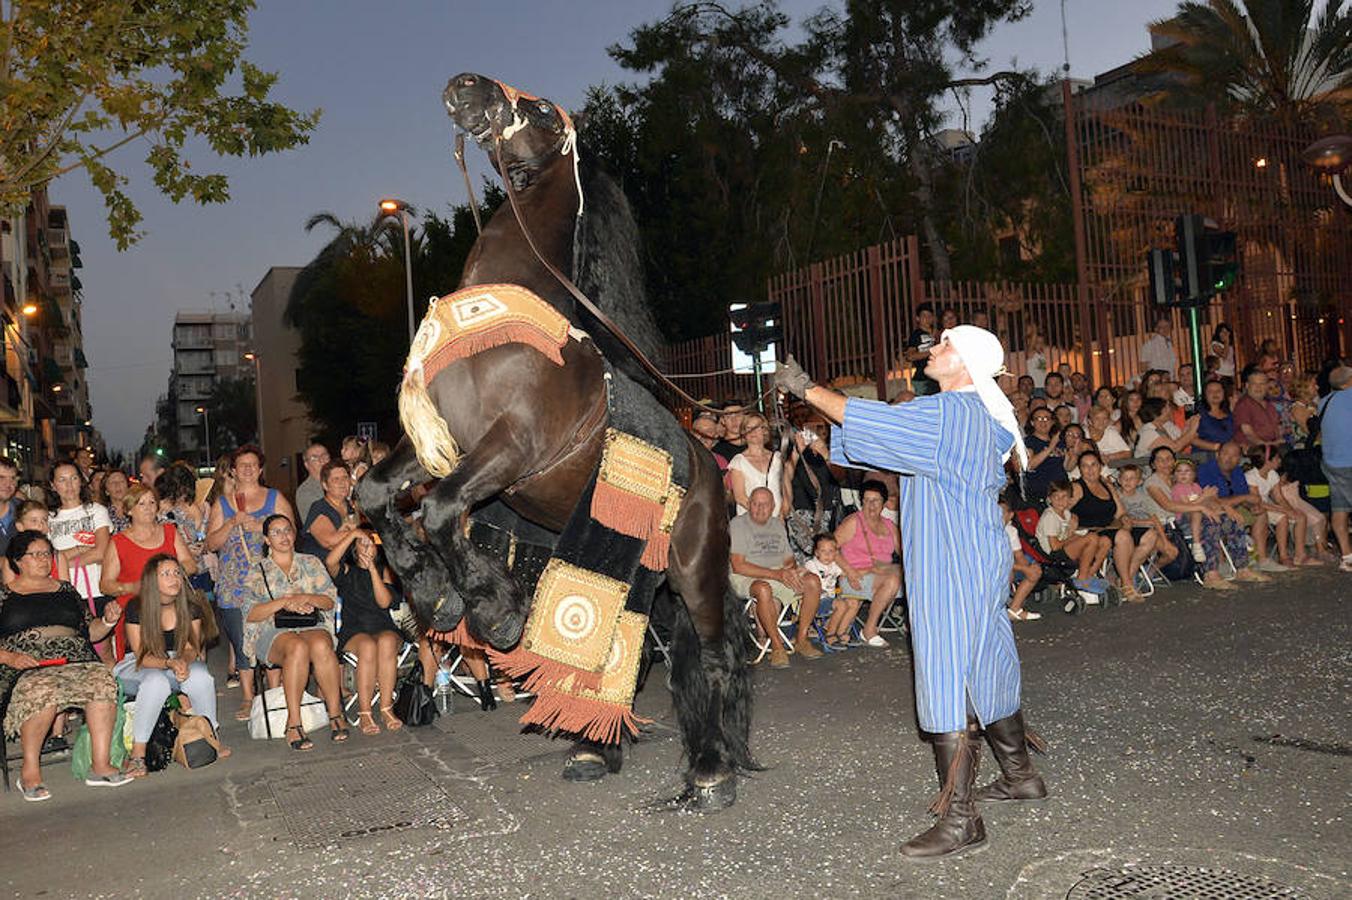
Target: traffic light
{"points": [[755, 326], [1208, 258], [1163, 282]]}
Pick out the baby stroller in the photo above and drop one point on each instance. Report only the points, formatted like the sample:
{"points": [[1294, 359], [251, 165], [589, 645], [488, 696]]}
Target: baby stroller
{"points": [[1057, 584]]}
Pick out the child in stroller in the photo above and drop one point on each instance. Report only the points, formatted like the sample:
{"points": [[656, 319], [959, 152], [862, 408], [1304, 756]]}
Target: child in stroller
{"points": [[1057, 580]]}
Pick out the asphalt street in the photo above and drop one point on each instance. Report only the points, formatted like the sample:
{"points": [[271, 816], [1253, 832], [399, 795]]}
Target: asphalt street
{"points": [[1200, 740]]}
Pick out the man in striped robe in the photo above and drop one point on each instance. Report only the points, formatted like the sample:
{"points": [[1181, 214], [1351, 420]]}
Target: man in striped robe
{"points": [[952, 445]]}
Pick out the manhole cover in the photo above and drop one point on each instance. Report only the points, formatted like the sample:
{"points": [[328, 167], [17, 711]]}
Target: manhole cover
{"points": [[1181, 882], [342, 799]]}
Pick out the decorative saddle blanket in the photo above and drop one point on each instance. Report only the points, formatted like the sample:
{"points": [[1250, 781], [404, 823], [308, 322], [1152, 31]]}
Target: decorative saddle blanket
{"points": [[583, 641], [482, 316]]}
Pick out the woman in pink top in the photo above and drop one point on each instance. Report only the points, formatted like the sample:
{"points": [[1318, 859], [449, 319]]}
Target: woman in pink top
{"points": [[867, 543]]}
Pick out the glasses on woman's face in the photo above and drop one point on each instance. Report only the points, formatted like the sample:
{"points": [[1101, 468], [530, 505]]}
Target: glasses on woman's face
{"points": [[1043, 418], [282, 531], [41, 555]]}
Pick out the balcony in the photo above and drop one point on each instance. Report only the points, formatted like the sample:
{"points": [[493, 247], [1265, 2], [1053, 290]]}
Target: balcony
{"points": [[67, 437], [60, 281], [12, 410], [64, 355]]}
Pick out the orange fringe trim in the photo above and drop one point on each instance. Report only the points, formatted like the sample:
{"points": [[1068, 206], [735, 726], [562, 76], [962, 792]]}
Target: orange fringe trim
{"points": [[541, 674], [471, 344], [635, 517], [595, 720], [460, 636]]}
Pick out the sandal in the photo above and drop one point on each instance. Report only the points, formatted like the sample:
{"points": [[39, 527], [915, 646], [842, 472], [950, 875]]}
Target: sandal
{"points": [[337, 735], [366, 723], [35, 794], [135, 766], [242, 714], [302, 742], [392, 722]]}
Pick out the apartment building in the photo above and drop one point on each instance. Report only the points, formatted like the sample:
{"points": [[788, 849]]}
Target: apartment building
{"points": [[209, 347]]}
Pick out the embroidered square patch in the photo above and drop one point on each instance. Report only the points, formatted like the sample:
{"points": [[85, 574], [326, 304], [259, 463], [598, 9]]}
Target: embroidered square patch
{"points": [[574, 616]]}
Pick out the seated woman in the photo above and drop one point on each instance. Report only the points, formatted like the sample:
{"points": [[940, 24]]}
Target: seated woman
{"points": [[288, 622], [867, 542], [166, 648], [1215, 423], [43, 619], [368, 633], [1158, 429], [131, 548], [1095, 502], [1216, 531], [33, 515], [332, 517]]}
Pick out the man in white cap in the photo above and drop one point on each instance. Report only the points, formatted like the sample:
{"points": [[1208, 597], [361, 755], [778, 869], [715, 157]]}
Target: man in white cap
{"points": [[953, 445]]}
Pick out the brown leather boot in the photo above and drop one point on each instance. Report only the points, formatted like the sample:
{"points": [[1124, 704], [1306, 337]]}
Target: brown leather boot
{"points": [[1018, 779], [959, 828]]}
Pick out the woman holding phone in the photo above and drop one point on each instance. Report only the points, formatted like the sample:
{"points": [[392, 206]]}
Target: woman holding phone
{"points": [[235, 534]]}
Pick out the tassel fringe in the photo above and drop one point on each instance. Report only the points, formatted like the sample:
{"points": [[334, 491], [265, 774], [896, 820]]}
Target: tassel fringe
{"points": [[939, 806]]}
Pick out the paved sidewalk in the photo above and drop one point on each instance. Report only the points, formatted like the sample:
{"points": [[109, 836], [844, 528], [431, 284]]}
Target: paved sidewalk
{"points": [[1152, 713]]}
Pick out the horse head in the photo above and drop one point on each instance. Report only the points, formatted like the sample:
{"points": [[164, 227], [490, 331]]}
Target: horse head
{"points": [[528, 131]]}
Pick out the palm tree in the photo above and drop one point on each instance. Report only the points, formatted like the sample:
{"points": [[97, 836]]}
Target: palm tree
{"points": [[1271, 59]]}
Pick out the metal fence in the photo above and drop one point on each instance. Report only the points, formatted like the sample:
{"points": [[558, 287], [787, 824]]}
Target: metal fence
{"points": [[1133, 170]]}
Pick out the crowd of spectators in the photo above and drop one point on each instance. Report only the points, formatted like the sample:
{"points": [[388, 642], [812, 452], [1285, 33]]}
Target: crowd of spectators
{"points": [[123, 581], [1128, 487]]}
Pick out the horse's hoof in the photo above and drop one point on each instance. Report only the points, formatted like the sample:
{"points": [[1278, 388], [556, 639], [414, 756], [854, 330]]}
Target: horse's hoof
{"points": [[584, 766], [708, 795]]}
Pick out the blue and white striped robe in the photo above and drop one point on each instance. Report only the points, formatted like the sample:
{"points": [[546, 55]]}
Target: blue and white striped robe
{"points": [[956, 555]]}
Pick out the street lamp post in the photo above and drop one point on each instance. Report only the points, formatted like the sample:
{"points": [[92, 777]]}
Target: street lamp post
{"points": [[389, 207], [258, 397], [206, 429]]}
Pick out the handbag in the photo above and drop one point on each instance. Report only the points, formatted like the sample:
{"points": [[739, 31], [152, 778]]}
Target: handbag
{"points": [[415, 706], [160, 747], [195, 745], [286, 618], [313, 714]]}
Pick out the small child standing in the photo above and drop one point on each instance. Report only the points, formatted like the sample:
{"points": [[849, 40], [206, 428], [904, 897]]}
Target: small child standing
{"points": [[1023, 566], [843, 610]]}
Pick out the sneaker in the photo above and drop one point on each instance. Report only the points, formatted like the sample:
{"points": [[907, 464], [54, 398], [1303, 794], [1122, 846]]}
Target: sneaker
{"points": [[779, 657], [1198, 554], [1271, 565], [1346, 564], [806, 650], [232, 679], [1023, 615], [116, 779], [877, 642], [1090, 598]]}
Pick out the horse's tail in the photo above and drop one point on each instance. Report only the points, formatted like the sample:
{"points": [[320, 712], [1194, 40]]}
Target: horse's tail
{"points": [[425, 427]]}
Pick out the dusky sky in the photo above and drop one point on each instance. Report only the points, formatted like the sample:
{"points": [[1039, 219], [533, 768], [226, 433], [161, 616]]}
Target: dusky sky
{"points": [[377, 70]]}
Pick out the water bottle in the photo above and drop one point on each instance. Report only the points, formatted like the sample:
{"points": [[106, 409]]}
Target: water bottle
{"points": [[442, 694]]}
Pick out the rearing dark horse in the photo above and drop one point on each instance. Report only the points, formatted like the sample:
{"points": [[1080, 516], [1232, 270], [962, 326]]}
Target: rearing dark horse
{"points": [[524, 429]]}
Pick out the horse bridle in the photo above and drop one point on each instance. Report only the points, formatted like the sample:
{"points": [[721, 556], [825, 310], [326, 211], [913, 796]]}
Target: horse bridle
{"points": [[567, 283]]}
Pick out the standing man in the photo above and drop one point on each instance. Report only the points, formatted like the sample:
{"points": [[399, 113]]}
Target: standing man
{"points": [[732, 441], [151, 468], [312, 488], [918, 350], [9, 485], [1158, 350], [1336, 430], [952, 446]]}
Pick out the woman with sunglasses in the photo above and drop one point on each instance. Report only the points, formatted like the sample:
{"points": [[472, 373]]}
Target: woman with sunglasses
{"points": [[1045, 454], [758, 466]]}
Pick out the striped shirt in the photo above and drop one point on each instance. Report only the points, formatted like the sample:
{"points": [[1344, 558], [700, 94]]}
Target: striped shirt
{"points": [[957, 558]]}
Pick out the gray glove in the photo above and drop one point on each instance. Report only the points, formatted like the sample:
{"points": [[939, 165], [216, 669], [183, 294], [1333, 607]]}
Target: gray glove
{"points": [[791, 379]]}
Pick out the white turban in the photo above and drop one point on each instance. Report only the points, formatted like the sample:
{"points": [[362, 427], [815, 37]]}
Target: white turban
{"points": [[984, 358]]}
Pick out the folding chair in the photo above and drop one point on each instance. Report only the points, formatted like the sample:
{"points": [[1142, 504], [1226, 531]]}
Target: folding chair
{"points": [[824, 610], [762, 642], [348, 661]]}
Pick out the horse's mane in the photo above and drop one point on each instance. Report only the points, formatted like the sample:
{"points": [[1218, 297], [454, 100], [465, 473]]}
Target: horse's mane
{"points": [[608, 267]]}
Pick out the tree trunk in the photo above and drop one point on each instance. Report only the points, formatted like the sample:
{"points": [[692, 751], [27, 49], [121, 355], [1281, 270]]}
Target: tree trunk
{"points": [[941, 268]]}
